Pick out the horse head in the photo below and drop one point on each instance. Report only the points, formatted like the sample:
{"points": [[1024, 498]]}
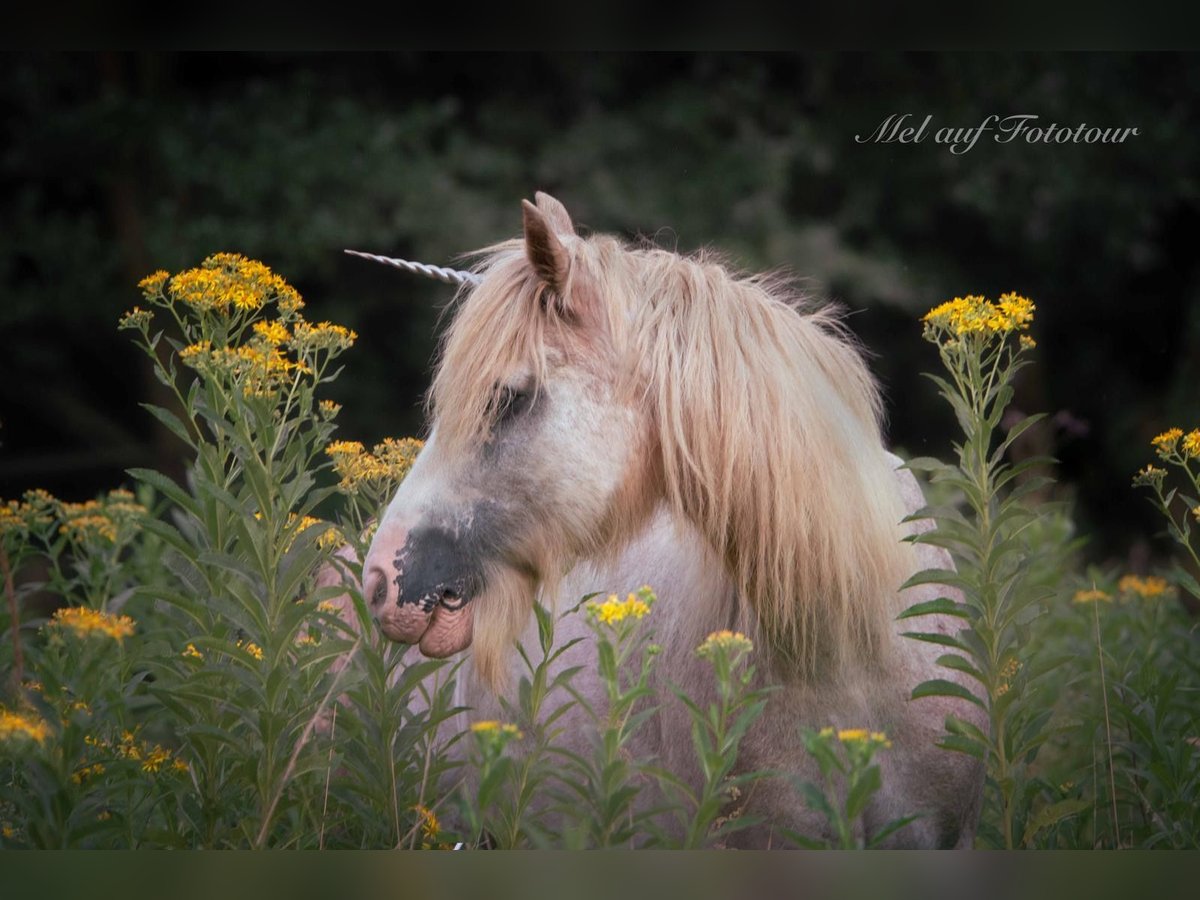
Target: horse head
{"points": [[535, 455]]}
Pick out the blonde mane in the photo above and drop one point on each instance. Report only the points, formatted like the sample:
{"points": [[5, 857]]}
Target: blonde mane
{"points": [[765, 428]]}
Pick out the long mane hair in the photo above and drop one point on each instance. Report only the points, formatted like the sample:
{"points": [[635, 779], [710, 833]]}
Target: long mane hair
{"points": [[764, 426]]}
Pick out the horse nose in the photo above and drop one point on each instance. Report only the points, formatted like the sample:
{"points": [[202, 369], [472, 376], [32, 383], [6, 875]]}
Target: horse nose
{"points": [[417, 584]]}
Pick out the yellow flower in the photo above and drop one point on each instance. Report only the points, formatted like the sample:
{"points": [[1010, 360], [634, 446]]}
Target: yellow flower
{"points": [[84, 528], [730, 642], [430, 826], [191, 652], [16, 726], [201, 348], [614, 610], [397, 456], [325, 336], [1196, 513], [155, 759], [344, 448], [1150, 476], [1027, 343], [274, 333], [85, 622], [152, 285], [252, 648], [1147, 588], [975, 314], [328, 409], [1165, 442], [863, 736], [1191, 443], [1090, 596], [388, 465], [490, 726], [88, 772], [1016, 310], [136, 318]]}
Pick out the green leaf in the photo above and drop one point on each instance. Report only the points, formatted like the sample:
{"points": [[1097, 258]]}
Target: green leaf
{"points": [[943, 640], [1052, 814], [940, 687], [960, 664], [942, 606], [861, 791], [168, 488], [172, 422], [945, 577], [889, 829], [960, 744]]}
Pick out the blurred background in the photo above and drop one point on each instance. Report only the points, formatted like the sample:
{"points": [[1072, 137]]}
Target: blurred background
{"points": [[112, 166]]}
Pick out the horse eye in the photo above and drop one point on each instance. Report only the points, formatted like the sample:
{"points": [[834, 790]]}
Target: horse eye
{"points": [[511, 403]]}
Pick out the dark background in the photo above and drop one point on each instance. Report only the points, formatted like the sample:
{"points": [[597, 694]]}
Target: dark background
{"points": [[113, 165]]}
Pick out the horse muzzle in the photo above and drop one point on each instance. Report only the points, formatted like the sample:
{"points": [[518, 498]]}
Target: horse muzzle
{"points": [[420, 586]]}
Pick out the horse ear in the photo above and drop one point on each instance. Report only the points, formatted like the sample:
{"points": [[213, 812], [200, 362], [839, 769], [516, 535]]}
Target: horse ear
{"points": [[546, 252], [556, 214]]}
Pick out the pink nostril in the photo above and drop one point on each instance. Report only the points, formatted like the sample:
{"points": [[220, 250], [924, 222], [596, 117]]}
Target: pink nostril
{"points": [[377, 588]]}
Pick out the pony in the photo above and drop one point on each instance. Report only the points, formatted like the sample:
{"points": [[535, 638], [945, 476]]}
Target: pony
{"points": [[604, 415]]}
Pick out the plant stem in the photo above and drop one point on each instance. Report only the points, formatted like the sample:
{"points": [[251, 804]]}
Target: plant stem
{"points": [[10, 592]]}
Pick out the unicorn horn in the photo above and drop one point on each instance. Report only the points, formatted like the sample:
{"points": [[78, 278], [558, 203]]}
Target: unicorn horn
{"points": [[455, 277]]}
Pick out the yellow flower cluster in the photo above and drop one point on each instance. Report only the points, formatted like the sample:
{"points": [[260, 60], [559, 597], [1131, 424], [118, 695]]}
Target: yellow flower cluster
{"points": [[137, 318], [492, 727], [1174, 443], [325, 336], [1007, 672], [260, 368], [858, 736], [87, 773], [975, 314], [152, 758], [190, 652], [274, 332], [430, 826], [1147, 588], [730, 642], [15, 726], [85, 622], [83, 528], [1150, 476], [37, 510], [330, 537], [252, 648], [861, 736], [224, 282], [225, 297], [101, 520], [1092, 595], [384, 467], [152, 285], [614, 610]]}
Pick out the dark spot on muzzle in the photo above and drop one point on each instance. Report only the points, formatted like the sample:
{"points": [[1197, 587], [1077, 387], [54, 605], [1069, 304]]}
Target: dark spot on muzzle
{"points": [[432, 568]]}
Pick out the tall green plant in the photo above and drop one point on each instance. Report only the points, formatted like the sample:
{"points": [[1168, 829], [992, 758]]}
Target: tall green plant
{"points": [[982, 346]]}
